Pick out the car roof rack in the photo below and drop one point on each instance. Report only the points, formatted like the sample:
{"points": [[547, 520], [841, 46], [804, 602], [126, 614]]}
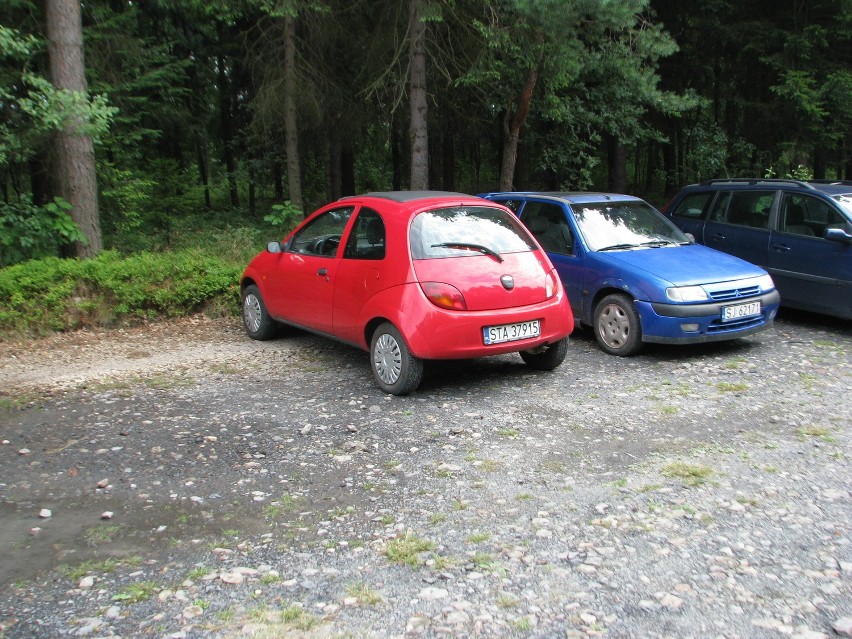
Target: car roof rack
{"points": [[801, 183], [832, 182]]}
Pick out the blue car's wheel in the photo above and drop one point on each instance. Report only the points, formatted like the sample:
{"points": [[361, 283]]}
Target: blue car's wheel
{"points": [[617, 326], [396, 370]]}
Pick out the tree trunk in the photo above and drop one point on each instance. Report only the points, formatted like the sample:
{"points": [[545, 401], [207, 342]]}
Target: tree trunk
{"points": [[396, 142], [203, 173], [291, 116], [75, 153], [419, 108], [512, 123], [227, 122], [617, 163]]}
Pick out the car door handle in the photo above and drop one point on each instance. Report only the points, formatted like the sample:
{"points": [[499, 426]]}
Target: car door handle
{"points": [[781, 248], [322, 272], [717, 236]]}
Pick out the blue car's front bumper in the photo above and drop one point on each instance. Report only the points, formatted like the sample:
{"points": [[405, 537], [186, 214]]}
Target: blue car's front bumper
{"points": [[664, 323]]}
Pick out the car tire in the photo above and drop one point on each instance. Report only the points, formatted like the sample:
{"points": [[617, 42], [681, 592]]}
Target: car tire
{"points": [[258, 324], [547, 359], [395, 369], [617, 326]]}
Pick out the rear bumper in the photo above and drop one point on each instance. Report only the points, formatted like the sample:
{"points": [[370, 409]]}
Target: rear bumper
{"points": [[445, 334], [698, 323]]}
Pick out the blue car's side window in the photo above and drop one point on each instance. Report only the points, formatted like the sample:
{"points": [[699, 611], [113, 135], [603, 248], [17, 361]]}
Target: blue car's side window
{"points": [[547, 223], [805, 215], [694, 206]]}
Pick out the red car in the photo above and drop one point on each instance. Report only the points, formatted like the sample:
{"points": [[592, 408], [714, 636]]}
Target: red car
{"points": [[411, 276]]}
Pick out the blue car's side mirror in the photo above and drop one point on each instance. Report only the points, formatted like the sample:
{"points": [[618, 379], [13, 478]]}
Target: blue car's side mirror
{"points": [[837, 235]]}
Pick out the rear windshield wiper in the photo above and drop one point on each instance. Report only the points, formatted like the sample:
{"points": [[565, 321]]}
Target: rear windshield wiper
{"points": [[617, 247], [473, 247]]}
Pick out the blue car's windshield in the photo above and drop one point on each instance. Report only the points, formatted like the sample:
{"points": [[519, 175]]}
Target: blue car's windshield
{"points": [[846, 202], [625, 225]]}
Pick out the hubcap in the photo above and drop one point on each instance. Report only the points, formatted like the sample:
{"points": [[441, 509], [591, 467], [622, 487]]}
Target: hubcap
{"points": [[387, 359], [252, 313], [614, 326]]}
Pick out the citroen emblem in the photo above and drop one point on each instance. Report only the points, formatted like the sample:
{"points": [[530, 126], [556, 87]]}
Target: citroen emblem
{"points": [[508, 282]]}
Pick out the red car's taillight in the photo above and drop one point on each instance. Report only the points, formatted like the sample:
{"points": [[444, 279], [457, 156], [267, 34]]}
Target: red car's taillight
{"points": [[444, 295], [550, 284]]}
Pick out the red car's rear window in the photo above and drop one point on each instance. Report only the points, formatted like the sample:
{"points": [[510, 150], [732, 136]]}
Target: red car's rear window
{"points": [[450, 232]]}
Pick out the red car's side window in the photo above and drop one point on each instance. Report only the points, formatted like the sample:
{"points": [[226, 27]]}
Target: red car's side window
{"points": [[322, 235], [368, 237]]}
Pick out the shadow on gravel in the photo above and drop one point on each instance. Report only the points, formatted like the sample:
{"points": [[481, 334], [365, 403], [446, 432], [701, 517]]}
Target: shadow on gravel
{"points": [[75, 535]]}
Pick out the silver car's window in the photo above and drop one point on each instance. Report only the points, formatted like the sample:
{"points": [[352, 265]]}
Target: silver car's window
{"points": [[452, 232]]}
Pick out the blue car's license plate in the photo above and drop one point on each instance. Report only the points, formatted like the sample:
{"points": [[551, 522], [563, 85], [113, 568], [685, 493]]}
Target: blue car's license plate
{"points": [[738, 311]]}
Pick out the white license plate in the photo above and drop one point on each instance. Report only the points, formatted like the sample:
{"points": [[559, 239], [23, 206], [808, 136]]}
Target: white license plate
{"points": [[740, 310], [511, 332]]}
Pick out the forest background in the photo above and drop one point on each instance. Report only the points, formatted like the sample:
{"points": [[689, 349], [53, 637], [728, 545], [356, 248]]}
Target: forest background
{"points": [[168, 139]]}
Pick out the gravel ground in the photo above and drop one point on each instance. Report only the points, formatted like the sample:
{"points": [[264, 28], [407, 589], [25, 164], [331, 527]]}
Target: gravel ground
{"points": [[200, 484]]}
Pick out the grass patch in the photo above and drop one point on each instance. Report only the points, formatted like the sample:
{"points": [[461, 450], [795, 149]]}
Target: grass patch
{"points": [[478, 538], [508, 432], [79, 571], [818, 432], [103, 534], [732, 387], [136, 593], [283, 506], [691, 475], [407, 550], [364, 595]]}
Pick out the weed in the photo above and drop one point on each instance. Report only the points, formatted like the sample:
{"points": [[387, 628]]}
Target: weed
{"points": [[103, 534], [198, 573], [508, 432], [81, 570], [364, 595], [553, 466], [437, 518], [406, 550], [732, 387], [819, 432], [136, 593], [506, 602], [690, 474], [478, 538], [267, 579]]}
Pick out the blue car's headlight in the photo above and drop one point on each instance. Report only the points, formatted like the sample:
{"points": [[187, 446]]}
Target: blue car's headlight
{"points": [[766, 283], [686, 294]]}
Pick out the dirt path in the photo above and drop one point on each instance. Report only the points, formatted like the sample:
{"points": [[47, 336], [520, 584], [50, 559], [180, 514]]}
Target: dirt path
{"points": [[68, 360]]}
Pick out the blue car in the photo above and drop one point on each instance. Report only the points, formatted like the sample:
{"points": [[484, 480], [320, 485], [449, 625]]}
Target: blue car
{"points": [[634, 277], [800, 232]]}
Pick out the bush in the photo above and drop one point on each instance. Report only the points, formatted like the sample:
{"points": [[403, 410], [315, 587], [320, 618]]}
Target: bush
{"points": [[28, 231], [52, 294]]}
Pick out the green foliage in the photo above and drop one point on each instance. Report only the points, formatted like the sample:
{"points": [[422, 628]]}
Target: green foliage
{"points": [[52, 294], [284, 215], [30, 232], [801, 172]]}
